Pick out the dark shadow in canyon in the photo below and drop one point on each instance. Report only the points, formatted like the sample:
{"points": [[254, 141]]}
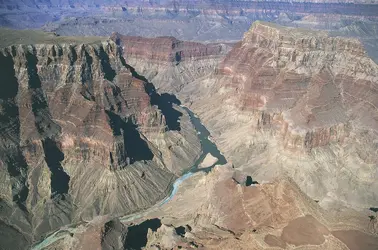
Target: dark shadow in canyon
{"points": [[109, 72], [137, 235], [10, 151], [172, 116], [47, 129], [164, 101], [86, 74], [133, 148], [250, 181], [136, 147], [374, 209], [180, 231], [178, 58], [53, 157]]}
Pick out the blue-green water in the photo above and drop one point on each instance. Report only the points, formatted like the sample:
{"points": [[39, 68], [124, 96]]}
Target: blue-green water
{"points": [[207, 147]]}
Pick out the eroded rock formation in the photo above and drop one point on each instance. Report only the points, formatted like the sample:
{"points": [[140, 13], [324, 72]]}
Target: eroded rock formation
{"points": [[300, 103], [170, 63], [212, 211], [82, 134]]}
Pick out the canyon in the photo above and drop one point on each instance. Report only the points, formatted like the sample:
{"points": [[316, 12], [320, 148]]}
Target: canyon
{"points": [[205, 20], [189, 124], [170, 63], [82, 135], [292, 110], [293, 102], [213, 211]]}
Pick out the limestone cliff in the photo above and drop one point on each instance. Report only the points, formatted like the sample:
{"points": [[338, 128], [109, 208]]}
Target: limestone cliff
{"points": [[82, 134]]}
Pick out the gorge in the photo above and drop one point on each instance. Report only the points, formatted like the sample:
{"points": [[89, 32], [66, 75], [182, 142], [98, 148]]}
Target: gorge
{"points": [[141, 142]]}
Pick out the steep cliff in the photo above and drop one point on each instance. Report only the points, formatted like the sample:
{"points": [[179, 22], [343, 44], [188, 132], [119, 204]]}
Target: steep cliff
{"points": [[171, 63], [82, 134], [300, 103]]}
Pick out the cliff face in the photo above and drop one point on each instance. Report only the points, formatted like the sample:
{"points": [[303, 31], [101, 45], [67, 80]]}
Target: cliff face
{"points": [[300, 103], [312, 85], [166, 50], [171, 63], [83, 134]]}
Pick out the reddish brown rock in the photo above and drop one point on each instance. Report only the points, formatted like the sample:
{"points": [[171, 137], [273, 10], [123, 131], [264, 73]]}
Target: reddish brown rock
{"points": [[355, 239], [164, 50], [311, 78], [274, 241], [296, 102], [83, 134], [304, 231], [170, 63], [211, 211]]}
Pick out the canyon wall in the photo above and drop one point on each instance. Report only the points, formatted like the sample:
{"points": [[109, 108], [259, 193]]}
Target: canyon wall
{"points": [[82, 134], [300, 103], [170, 63]]}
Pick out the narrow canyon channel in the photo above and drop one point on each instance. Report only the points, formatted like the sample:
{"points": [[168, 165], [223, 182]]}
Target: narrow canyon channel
{"points": [[207, 147]]}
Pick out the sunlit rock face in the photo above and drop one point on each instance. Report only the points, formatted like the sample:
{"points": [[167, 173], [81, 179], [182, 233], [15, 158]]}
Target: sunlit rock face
{"points": [[82, 134], [169, 63], [297, 102], [213, 211], [316, 85]]}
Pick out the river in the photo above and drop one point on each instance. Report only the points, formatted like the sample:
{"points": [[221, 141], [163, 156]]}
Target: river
{"points": [[207, 147]]}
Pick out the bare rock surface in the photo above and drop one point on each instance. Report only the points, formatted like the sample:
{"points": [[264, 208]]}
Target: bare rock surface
{"points": [[356, 240], [82, 134], [226, 215], [212, 211], [170, 63], [209, 161], [300, 103]]}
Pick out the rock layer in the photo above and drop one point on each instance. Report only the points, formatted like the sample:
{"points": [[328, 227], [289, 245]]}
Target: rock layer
{"points": [[300, 103], [82, 134], [212, 211], [170, 63]]}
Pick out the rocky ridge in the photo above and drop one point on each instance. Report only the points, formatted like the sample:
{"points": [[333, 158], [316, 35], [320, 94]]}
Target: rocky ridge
{"points": [[83, 135], [299, 103], [170, 63]]}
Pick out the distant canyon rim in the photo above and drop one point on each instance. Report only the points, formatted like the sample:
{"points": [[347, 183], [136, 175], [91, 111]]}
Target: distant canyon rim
{"points": [[189, 124]]}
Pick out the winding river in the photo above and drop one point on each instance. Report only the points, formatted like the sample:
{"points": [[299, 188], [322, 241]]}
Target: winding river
{"points": [[207, 147]]}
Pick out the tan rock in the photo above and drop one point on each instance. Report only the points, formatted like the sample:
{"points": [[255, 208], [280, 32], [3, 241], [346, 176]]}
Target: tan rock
{"points": [[209, 161]]}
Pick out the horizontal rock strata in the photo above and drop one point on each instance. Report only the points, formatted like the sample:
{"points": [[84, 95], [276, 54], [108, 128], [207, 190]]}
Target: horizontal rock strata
{"points": [[297, 102], [82, 134]]}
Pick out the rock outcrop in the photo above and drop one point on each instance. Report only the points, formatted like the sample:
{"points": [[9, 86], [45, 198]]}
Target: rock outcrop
{"points": [[212, 211], [310, 84], [82, 134], [170, 63], [297, 102], [226, 215]]}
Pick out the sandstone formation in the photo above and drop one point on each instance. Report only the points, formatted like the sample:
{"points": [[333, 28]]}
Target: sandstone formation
{"points": [[82, 134], [299, 103], [170, 63]]}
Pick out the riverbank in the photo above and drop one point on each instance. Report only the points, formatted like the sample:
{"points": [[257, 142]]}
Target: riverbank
{"points": [[208, 147]]}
